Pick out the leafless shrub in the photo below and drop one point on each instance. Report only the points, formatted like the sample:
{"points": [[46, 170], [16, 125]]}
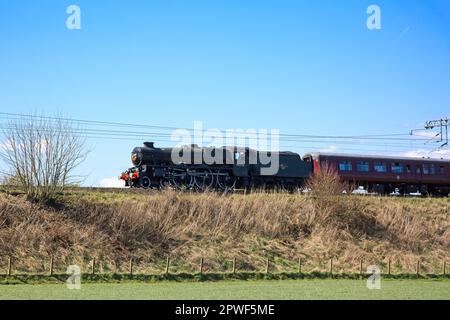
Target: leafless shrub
{"points": [[326, 182], [329, 195], [41, 154], [9, 180]]}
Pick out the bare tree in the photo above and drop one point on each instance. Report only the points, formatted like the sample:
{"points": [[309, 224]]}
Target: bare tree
{"points": [[41, 153], [327, 182]]}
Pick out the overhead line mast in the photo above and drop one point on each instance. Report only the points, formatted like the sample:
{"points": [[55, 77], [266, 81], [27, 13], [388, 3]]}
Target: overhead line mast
{"points": [[443, 125]]}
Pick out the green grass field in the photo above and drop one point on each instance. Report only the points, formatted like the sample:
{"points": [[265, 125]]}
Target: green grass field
{"points": [[286, 289]]}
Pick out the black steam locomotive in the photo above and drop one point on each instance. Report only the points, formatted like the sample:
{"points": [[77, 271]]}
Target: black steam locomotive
{"points": [[221, 168]]}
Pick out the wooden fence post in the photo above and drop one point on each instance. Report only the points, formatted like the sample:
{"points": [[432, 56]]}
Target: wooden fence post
{"points": [[201, 265], [9, 266], [418, 268], [93, 266], [389, 267], [51, 265], [131, 266], [167, 264], [299, 265], [361, 268], [234, 265], [267, 265], [331, 267], [445, 264]]}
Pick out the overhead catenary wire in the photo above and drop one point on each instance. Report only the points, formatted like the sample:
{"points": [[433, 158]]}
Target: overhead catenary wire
{"points": [[131, 134], [17, 116], [310, 144], [304, 145], [395, 140]]}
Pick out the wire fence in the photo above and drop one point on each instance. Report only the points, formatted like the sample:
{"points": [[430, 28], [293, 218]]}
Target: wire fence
{"points": [[10, 266]]}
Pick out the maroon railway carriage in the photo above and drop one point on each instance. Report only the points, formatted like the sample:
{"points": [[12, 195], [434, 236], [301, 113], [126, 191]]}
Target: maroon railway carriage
{"points": [[383, 174]]}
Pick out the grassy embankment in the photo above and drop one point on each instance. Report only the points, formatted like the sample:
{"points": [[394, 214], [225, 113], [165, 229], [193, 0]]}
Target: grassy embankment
{"points": [[112, 227]]}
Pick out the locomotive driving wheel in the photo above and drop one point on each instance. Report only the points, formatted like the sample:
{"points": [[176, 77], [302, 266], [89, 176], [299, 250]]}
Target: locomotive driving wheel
{"points": [[203, 179], [164, 183], [181, 179], [225, 181], [146, 183]]}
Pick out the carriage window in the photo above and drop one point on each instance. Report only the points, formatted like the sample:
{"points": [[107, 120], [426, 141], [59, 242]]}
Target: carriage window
{"points": [[345, 165], [426, 169], [362, 166], [380, 167], [441, 170], [408, 168], [397, 167], [432, 169], [418, 170]]}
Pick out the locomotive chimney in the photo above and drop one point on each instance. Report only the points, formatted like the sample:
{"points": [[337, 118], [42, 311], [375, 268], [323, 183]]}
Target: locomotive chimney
{"points": [[149, 144]]}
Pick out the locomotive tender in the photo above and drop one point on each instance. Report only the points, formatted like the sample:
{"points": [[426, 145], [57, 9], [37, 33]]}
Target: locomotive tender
{"points": [[236, 168]]}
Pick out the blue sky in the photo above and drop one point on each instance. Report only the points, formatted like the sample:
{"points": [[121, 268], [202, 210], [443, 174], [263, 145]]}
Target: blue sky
{"points": [[304, 67]]}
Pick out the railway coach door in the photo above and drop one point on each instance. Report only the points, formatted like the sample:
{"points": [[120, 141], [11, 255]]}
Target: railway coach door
{"points": [[419, 173]]}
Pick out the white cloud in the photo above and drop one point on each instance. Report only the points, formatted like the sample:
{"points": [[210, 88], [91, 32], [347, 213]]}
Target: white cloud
{"points": [[5, 146], [427, 134], [8, 145], [420, 153], [112, 183], [329, 149]]}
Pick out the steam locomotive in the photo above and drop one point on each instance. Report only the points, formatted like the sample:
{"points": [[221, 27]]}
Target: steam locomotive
{"points": [[225, 168], [193, 167]]}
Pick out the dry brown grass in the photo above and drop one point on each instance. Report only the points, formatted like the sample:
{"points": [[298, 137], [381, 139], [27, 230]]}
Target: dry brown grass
{"points": [[284, 227]]}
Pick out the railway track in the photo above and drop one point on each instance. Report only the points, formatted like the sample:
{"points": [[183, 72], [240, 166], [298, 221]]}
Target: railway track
{"points": [[14, 190]]}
